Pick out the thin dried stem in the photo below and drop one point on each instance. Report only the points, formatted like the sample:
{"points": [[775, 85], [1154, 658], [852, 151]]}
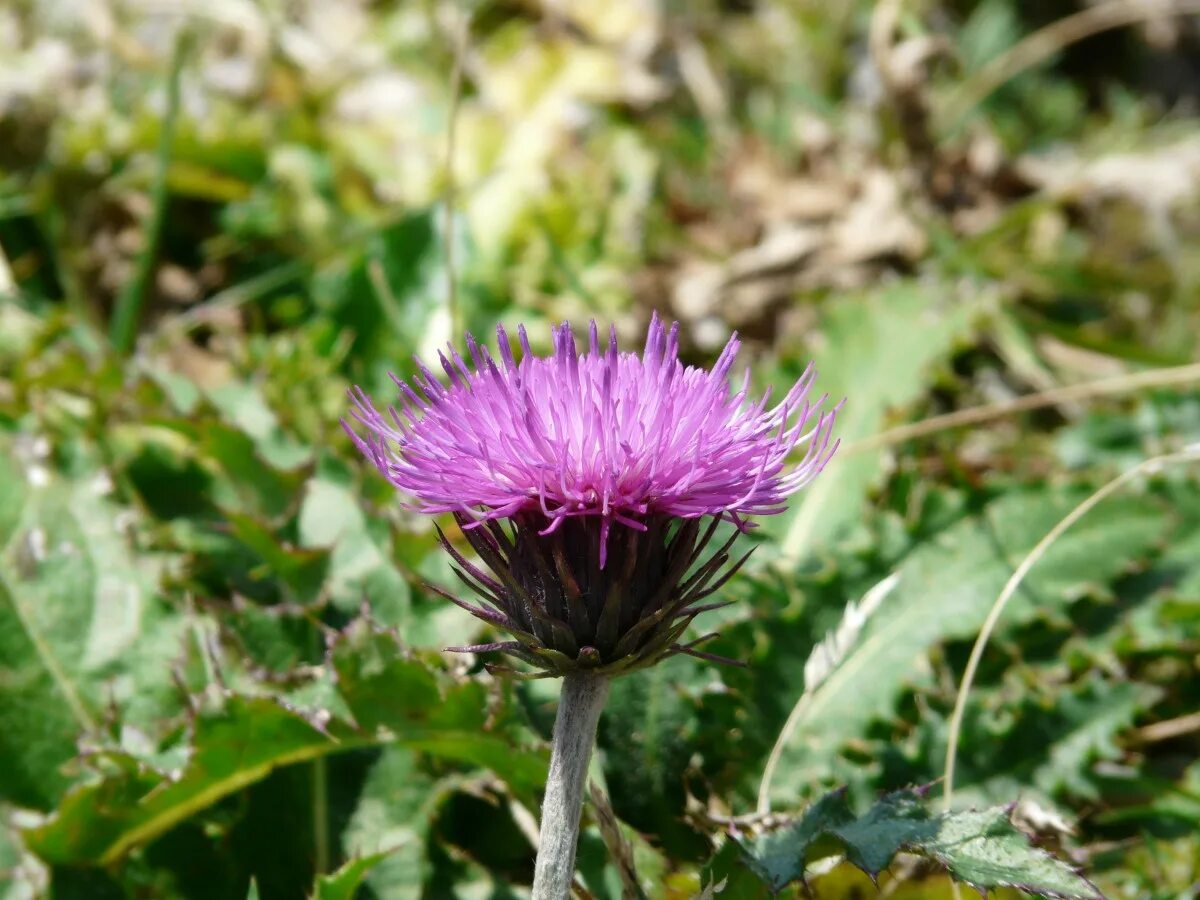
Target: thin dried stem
{"points": [[1045, 42], [1154, 464], [1167, 730], [976, 414]]}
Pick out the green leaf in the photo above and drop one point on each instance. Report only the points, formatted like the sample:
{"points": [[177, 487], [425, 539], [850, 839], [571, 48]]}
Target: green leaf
{"points": [[647, 734], [360, 567], [243, 407], [777, 857], [896, 820], [344, 883], [392, 822], [877, 350], [391, 697], [1049, 737], [301, 571], [945, 590], [13, 491], [383, 685], [1093, 718], [77, 607], [389, 690], [232, 746], [982, 849], [388, 294]]}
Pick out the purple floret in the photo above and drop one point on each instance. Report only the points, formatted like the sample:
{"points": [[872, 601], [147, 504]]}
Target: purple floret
{"points": [[605, 433]]}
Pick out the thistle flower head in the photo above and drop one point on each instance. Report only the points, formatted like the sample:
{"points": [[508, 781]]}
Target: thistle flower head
{"points": [[581, 480]]}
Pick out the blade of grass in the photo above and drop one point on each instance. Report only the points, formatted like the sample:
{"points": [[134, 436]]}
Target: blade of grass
{"points": [[461, 37], [124, 324]]}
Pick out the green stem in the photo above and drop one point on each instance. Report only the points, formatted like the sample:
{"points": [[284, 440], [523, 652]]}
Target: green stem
{"points": [[320, 813]]}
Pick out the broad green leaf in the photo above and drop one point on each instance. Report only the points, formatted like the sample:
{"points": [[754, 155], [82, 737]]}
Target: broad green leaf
{"points": [[945, 590], [392, 821], [876, 353], [76, 605], [391, 698], [647, 735], [332, 517], [232, 746], [983, 849], [41, 710]]}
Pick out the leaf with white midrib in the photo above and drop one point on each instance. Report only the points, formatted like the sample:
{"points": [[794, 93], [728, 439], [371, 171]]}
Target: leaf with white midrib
{"points": [[945, 590], [876, 351], [51, 576]]}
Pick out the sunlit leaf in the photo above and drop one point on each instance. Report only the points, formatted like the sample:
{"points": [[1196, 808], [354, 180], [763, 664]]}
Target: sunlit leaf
{"points": [[981, 849]]}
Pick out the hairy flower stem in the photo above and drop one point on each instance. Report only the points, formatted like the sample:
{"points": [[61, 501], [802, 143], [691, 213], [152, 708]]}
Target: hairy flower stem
{"points": [[579, 706]]}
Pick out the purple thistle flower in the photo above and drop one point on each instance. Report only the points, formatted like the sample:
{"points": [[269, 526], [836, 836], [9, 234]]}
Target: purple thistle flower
{"points": [[602, 464]]}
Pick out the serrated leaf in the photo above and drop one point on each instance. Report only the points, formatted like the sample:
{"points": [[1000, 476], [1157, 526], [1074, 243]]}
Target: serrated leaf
{"points": [[730, 875], [896, 820], [777, 857], [388, 690], [232, 746], [945, 590], [876, 353], [243, 739], [1096, 716], [982, 848], [76, 608], [384, 686]]}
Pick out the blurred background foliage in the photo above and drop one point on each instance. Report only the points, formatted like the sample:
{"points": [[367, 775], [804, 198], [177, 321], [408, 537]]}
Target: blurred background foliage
{"points": [[219, 671]]}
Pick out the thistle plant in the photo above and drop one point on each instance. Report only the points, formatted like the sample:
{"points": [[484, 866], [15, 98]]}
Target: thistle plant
{"points": [[592, 487]]}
